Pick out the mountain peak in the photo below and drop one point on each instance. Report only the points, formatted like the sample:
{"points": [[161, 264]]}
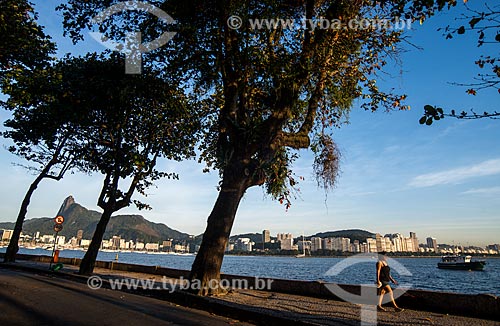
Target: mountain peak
{"points": [[65, 205]]}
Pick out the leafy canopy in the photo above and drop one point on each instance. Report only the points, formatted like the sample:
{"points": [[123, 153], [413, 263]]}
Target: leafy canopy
{"points": [[23, 44], [127, 122], [269, 92]]}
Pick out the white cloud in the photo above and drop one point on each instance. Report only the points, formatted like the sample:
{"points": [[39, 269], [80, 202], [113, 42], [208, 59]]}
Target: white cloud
{"points": [[483, 191], [457, 175]]}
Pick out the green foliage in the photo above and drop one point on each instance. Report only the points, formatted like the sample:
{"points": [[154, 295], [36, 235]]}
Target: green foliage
{"points": [[42, 133], [23, 44], [268, 91], [24, 57], [101, 120], [126, 122]]}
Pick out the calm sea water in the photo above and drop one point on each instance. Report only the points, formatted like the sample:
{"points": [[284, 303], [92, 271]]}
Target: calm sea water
{"points": [[424, 272]]}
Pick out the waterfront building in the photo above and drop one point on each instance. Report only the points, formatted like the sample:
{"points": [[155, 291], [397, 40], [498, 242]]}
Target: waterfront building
{"points": [[355, 246], [243, 244], [24, 238], [152, 246], [6, 235], [106, 244], [408, 245], [167, 245], [85, 243], [380, 242], [493, 249], [346, 244], [341, 244], [79, 236], [266, 236], [73, 242], [414, 239], [389, 247], [304, 244], [61, 240], [371, 245], [432, 244], [327, 243], [337, 244], [47, 239], [383, 243], [397, 242], [286, 244], [284, 236], [316, 243], [128, 245], [115, 242]]}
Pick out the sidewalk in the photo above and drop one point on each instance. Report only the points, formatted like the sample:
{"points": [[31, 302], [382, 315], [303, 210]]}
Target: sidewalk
{"points": [[40, 299], [270, 308]]}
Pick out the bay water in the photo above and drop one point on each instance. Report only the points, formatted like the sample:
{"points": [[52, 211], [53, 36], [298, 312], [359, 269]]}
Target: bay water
{"points": [[422, 273]]}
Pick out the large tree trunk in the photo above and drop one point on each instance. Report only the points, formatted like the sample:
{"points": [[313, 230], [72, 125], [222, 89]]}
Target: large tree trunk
{"points": [[13, 248], [88, 261], [208, 262]]}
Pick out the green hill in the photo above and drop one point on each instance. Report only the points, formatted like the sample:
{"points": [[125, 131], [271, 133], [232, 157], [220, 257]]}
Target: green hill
{"points": [[77, 217], [354, 234]]}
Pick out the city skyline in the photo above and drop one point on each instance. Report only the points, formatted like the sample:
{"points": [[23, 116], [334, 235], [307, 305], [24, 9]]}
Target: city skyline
{"points": [[378, 240], [442, 180], [393, 243]]}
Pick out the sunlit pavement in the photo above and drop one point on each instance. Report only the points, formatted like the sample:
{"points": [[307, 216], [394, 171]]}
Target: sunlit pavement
{"points": [[34, 299]]}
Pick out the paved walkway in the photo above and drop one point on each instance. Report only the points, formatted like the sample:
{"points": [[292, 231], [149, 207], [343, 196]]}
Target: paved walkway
{"points": [[293, 309], [332, 312], [34, 299]]}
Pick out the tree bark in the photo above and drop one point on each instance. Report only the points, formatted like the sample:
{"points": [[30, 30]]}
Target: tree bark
{"points": [[206, 267], [13, 248], [88, 261]]}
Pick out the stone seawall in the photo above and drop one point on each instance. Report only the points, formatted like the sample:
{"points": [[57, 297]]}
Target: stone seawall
{"points": [[472, 305]]}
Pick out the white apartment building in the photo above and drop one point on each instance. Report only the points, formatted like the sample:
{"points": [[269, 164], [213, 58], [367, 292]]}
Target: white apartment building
{"points": [[316, 244], [286, 244]]}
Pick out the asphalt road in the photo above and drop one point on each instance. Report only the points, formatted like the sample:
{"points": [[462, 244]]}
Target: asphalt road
{"points": [[32, 299]]}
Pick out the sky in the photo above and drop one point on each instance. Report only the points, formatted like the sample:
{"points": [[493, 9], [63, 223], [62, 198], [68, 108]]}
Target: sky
{"points": [[396, 175]]}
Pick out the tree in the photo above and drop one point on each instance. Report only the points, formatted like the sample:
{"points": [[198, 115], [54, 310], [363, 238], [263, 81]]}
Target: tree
{"points": [[273, 89], [41, 132], [130, 122], [23, 44], [24, 47], [485, 22]]}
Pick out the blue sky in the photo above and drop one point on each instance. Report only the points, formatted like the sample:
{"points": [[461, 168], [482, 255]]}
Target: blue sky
{"points": [[397, 176]]}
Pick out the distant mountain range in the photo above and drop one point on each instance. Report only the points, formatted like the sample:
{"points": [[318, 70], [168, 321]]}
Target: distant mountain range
{"points": [[77, 217], [136, 227], [354, 234]]}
